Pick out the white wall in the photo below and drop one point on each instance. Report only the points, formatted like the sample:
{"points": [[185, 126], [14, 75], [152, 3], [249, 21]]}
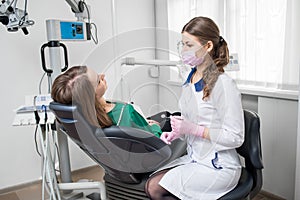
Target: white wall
{"points": [[297, 177], [296, 32], [21, 72], [279, 119]]}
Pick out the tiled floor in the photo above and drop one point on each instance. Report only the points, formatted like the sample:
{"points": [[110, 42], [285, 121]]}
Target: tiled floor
{"points": [[33, 192]]}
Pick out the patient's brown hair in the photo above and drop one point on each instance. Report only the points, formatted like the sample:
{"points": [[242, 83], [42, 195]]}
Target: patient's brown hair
{"points": [[74, 87]]}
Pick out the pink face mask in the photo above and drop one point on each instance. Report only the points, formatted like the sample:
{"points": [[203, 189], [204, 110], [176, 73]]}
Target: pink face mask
{"points": [[190, 58]]}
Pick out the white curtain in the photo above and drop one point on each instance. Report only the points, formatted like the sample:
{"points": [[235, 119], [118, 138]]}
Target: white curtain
{"points": [[258, 30], [292, 45]]}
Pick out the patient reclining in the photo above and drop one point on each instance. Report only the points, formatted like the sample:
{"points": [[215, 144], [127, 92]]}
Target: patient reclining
{"points": [[82, 86]]}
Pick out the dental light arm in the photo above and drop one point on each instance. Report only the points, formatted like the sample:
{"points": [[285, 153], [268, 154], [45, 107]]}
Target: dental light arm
{"points": [[133, 61], [14, 18], [182, 69], [76, 8], [80, 8]]}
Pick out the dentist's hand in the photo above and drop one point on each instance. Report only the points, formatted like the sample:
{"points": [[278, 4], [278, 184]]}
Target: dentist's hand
{"points": [[166, 137], [181, 126]]}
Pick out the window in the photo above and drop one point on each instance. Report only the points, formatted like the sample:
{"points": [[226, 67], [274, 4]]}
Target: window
{"points": [[259, 31]]}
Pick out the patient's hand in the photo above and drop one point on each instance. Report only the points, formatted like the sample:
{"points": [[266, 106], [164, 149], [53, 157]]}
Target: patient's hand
{"points": [[151, 122]]}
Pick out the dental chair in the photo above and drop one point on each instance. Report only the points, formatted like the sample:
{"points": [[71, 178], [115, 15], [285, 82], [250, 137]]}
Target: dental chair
{"points": [[128, 155], [250, 182]]}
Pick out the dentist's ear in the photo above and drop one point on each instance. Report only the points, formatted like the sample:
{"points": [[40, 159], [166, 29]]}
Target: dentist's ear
{"points": [[209, 46]]}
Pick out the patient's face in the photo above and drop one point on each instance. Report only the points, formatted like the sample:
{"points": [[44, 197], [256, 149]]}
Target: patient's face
{"points": [[98, 81]]}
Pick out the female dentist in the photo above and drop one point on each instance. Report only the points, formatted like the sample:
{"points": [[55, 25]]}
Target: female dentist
{"points": [[212, 122]]}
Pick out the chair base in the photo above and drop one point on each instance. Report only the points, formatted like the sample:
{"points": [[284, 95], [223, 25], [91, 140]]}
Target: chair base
{"points": [[116, 190]]}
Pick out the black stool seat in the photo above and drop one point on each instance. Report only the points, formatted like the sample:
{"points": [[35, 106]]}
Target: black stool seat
{"points": [[243, 187], [250, 181]]}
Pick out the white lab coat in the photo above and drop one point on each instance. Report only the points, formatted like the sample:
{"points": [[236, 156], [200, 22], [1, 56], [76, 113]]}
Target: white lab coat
{"points": [[197, 175]]}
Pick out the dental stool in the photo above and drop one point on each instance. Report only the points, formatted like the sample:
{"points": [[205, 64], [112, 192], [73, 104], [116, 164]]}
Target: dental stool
{"points": [[250, 182], [128, 155]]}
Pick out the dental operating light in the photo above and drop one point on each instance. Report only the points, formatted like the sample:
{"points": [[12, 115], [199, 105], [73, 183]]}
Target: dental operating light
{"points": [[14, 18]]}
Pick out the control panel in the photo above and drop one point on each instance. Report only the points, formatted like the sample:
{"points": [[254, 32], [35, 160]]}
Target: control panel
{"points": [[67, 30], [25, 114]]}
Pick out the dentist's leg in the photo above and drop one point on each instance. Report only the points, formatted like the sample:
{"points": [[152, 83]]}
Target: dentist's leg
{"points": [[155, 191]]}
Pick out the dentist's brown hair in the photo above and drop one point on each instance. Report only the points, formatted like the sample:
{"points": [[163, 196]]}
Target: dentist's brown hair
{"points": [[205, 29]]}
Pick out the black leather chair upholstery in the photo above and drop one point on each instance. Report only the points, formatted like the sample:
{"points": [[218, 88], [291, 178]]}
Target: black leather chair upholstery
{"points": [[128, 155], [250, 182]]}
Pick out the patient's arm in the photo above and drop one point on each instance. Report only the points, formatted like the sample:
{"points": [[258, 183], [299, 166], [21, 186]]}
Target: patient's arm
{"points": [[151, 122]]}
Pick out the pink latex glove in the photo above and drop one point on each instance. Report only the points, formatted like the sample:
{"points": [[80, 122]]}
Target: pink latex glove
{"points": [[181, 126]]}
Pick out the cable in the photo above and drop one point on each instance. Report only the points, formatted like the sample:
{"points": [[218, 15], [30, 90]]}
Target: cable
{"points": [[58, 156], [44, 164], [56, 152], [37, 121], [95, 39], [40, 84], [22, 20], [49, 179], [35, 141], [50, 168], [49, 161], [88, 12], [46, 115]]}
